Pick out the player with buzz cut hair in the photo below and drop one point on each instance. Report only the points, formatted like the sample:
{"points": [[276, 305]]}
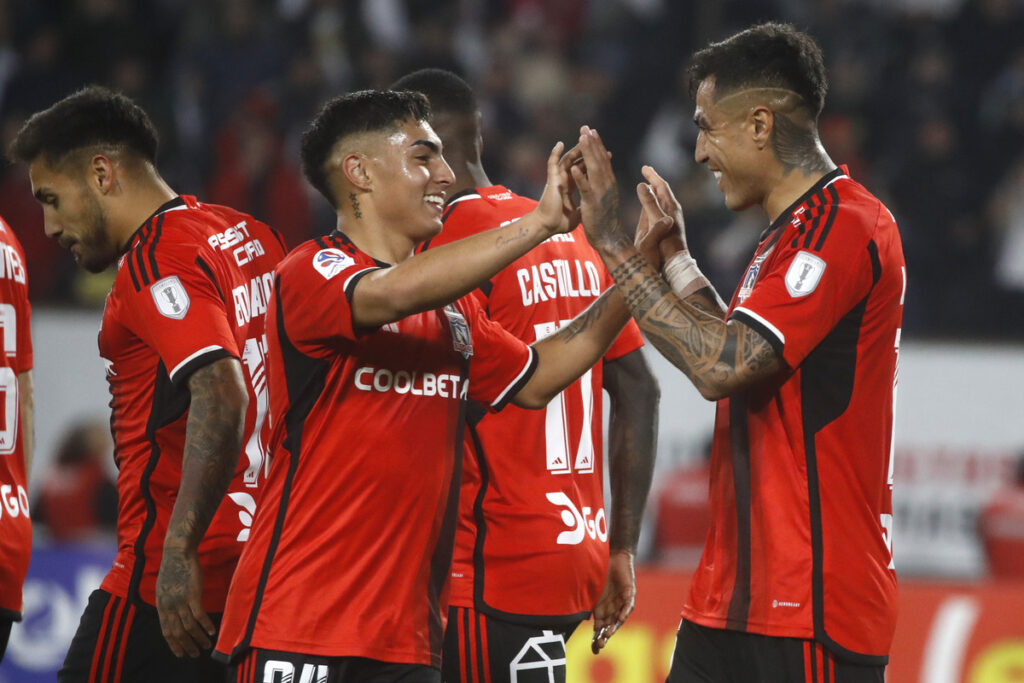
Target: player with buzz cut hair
{"points": [[533, 541], [184, 315], [373, 357], [797, 581]]}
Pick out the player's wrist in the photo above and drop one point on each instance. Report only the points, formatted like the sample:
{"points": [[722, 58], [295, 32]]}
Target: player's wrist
{"points": [[683, 275]]}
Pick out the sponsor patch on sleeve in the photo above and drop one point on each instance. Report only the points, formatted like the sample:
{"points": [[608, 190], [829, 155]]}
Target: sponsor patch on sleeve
{"points": [[330, 262], [170, 297], [804, 274]]}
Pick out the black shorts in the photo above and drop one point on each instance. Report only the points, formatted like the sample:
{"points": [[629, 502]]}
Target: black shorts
{"points": [[712, 655], [274, 666], [478, 647], [5, 634], [119, 641]]}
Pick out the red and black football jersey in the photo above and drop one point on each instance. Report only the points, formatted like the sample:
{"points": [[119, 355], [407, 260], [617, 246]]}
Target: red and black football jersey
{"points": [[801, 470], [532, 539], [15, 330], [192, 288], [351, 550]]}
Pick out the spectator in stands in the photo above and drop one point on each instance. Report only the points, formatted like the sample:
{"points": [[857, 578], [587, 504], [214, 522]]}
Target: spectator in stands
{"points": [[77, 500], [1001, 527]]}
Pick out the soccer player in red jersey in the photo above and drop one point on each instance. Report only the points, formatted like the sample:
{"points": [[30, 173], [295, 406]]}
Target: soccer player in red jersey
{"points": [[796, 582], [185, 314], [16, 432], [372, 357], [533, 539]]}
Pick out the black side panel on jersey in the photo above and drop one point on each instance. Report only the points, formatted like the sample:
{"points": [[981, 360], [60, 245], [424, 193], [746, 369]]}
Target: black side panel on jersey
{"points": [[739, 437], [305, 378], [826, 387], [203, 266], [479, 568], [170, 402]]}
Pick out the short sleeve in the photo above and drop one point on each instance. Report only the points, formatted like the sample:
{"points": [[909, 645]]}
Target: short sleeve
{"points": [[808, 291], [180, 312], [501, 364], [316, 288]]}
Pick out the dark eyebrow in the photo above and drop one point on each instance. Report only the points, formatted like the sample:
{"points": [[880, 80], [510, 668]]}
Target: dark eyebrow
{"points": [[429, 144]]}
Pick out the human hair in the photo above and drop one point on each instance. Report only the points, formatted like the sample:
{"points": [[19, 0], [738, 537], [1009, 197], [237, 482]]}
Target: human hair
{"points": [[93, 117], [363, 111], [447, 92], [769, 55]]}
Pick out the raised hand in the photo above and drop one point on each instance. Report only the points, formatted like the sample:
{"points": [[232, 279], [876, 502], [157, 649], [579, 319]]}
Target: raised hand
{"points": [[653, 226], [557, 211], [599, 194], [675, 240]]}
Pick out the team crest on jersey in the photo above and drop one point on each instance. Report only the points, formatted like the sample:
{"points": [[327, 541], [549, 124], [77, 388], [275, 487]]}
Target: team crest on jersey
{"points": [[750, 277], [461, 340], [804, 274], [170, 297], [330, 262]]}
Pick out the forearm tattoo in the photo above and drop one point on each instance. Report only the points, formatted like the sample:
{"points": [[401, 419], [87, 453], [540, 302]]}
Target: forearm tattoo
{"points": [[715, 355], [584, 321], [213, 440], [511, 233]]}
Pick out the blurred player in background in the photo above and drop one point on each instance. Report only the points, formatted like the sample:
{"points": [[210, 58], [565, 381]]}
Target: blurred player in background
{"points": [[185, 314], [796, 582], [16, 436], [373, 356], [532, 546]]}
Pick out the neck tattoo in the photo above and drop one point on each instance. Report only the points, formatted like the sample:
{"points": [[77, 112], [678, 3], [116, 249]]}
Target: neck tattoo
{"points": [[355, 204]]}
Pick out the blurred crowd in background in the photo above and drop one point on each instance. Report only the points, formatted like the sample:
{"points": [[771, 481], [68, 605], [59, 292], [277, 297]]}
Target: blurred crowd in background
{"points": [[926, 107]]}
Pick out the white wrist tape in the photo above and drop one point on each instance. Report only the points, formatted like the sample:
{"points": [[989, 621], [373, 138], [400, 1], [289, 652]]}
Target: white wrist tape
{"points": [[683, 275]]}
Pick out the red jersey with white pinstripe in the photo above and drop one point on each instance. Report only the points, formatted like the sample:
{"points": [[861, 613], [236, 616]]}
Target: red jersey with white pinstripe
{"points": [[192, 288], [801, 470], [15, 329], [533, 531], [351, 551]]}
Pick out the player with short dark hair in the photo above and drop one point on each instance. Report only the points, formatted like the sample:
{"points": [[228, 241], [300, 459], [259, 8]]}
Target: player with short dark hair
{"points": [[184, 315], [373, 355], [796, 582], [16, 436], [533, 542]]}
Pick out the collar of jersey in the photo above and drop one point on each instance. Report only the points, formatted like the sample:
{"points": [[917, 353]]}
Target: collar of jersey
{"points": [[338, 234], [784, 217], [175, 203]]}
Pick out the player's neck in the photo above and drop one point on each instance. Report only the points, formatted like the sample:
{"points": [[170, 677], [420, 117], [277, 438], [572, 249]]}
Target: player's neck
{"points": [[380, 243], [792, 184], [139, 202], [468, 175]]}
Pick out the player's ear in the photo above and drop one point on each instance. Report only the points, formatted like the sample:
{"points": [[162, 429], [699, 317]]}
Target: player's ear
{"points": [[101, 173], [761, 121], [355, 168]]}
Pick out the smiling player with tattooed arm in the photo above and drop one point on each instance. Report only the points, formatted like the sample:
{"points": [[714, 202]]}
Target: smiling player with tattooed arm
{"points": [[796, 582]]}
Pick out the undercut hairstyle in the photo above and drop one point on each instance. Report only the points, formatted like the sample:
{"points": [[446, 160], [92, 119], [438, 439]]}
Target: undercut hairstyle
{"points": [[93, 117], [364, 111], [770, 55], [447, 92]]}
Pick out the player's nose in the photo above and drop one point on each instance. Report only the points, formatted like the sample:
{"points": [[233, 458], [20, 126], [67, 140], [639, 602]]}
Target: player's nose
{"points": [[444, 175]]}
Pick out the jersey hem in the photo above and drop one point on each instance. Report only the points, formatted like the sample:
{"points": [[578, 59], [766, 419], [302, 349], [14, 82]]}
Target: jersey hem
{"points": [[517, 384], [530, 619], [786, 632], [306, 648], [10, 614], [771, 334]]}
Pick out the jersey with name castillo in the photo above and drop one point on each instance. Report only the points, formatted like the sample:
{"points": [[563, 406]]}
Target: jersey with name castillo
{"points": [[15, 330], [351, 550], [192, 288], [533, 531], [801, 471]]}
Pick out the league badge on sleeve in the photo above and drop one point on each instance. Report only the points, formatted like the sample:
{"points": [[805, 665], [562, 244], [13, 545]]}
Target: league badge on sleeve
{"points": [[804, 274], [461, 340], [330, 262], [170, 297]]}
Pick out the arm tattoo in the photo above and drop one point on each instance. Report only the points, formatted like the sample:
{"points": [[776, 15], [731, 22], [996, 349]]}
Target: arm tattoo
{"points": [[213, 441], [584, 321], [510, 235], [716, 356]]}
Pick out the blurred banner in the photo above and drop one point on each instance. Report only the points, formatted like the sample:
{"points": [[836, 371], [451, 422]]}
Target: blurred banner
{"points": [[947, 632]]}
